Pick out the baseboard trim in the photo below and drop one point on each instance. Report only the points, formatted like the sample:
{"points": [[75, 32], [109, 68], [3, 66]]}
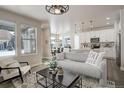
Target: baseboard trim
{"points": [[46, 57]]}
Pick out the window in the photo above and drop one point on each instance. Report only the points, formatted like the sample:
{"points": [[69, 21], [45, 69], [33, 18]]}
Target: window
{"points": [[7, 38], [66, 41], [28, 39]]}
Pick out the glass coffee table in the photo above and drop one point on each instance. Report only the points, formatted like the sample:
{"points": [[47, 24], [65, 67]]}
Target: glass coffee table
{"points": [[67, 80]]}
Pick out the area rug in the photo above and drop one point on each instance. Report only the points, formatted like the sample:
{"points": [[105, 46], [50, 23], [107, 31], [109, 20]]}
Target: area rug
{"points": [[89, 82], [31, 82]]}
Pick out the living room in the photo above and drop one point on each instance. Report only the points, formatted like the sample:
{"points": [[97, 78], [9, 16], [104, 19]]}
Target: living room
{"points": [[43, 39]]}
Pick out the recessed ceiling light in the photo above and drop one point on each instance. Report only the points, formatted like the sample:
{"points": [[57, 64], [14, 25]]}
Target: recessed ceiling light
{"points": [[107, 18], [107, 23]]}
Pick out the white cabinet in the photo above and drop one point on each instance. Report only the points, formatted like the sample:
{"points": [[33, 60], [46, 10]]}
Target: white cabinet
{"points": [[102, 36], [107, 35]]}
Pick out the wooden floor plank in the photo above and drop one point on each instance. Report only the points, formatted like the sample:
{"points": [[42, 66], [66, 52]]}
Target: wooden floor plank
{"points": [[114, 73]]}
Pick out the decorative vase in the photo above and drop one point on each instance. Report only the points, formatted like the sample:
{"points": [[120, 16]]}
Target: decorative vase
{"points": [[60, 71]]}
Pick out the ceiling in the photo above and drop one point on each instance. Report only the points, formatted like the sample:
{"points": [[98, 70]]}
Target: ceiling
{"points": [[76, 15]]}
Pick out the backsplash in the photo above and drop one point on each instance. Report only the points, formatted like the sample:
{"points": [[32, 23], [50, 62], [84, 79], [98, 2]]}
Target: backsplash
{"points": [[97, 45]]}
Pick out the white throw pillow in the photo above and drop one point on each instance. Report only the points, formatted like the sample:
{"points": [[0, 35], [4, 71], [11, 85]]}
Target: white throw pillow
{"points": [[96, 60], [92, 58], [100, 58]]}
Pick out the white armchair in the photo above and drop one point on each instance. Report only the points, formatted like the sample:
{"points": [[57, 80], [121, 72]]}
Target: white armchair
{"points": [[11, 68]]}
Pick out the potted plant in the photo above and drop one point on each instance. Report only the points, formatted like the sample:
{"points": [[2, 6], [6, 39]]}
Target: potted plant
{"points": [[52, 65]]}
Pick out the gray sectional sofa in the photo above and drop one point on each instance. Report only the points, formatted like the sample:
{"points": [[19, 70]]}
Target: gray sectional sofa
{"points": [[75, 61]]}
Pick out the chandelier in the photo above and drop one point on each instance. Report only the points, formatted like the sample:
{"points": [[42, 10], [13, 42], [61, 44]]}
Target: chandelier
{"points": [[57, 37], [57, 9]]}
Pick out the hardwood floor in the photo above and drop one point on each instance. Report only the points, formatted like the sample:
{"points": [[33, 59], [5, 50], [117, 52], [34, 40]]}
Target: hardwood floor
{"points": [[114, 73]]}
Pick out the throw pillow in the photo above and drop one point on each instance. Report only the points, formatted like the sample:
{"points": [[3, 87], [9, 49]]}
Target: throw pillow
{"points": [[97, 60], [91, 58], [100, 58]]}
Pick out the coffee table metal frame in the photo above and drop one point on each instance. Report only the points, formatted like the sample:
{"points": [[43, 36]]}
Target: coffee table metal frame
{"points": [[77, 82]]}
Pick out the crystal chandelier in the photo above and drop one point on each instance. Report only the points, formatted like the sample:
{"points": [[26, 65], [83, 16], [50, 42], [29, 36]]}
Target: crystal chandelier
{"points": [[57, 9]]}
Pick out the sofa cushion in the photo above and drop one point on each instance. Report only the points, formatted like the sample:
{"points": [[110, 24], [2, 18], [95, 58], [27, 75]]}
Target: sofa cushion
{"points": [[9, 75], [14, 64], [9, 62], [81, 68], [14, 72], [78, 57], [5, 62], [25, 69]]}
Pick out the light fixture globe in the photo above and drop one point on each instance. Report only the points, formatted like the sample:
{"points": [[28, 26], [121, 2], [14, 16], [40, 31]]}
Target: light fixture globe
{"points": [[57, 9]]}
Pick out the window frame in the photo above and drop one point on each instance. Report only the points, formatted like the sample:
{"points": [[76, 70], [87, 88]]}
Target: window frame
{"points": [[36, 30], [15, 30]]}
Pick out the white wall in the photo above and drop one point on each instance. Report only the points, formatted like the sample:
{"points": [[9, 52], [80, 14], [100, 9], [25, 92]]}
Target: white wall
{"points": [[46, 43], [122, 38], [72, 39], [33, 59], [76, 42]]}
